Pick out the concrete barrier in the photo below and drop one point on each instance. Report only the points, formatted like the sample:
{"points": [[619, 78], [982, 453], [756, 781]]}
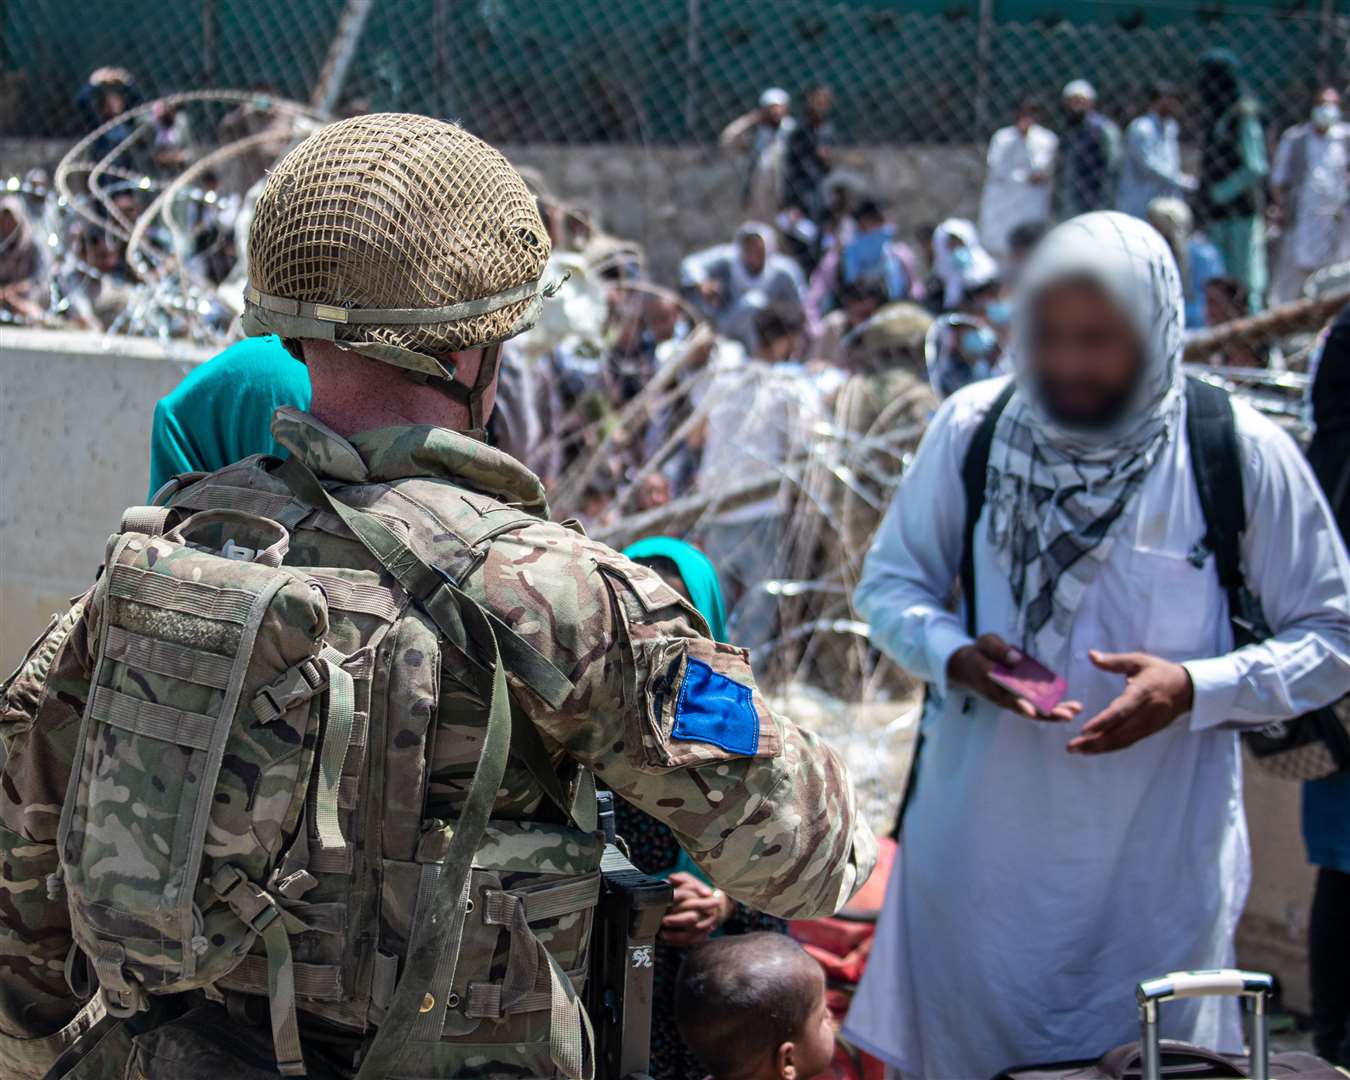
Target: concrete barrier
{"points": [[75, 412]]}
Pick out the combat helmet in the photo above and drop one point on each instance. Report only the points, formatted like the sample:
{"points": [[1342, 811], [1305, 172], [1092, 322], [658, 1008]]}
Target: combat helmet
{"points": [[401, 238]]}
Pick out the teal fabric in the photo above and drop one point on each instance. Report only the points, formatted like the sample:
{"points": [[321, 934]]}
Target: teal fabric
{"points": [[222, 412], [698, 572], [705, 590]]}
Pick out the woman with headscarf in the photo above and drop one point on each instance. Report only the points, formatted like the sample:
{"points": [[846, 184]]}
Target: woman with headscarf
{"points": [[1233, 171], [23, 269], [699, 911], [730, 283], [960, 261], [1055, 854]]}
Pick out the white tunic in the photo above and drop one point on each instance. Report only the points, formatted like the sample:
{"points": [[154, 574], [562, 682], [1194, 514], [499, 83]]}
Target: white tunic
{"points": [[1010, 198], [1320, 232], [1035, 887]]}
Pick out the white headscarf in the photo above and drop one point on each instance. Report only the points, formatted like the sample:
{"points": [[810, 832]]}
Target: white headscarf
{"points": [[741, 277], [1057, 495], [958, 274]]}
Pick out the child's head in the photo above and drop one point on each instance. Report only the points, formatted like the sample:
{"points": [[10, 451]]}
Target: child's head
{"points": [[752, 1006]]}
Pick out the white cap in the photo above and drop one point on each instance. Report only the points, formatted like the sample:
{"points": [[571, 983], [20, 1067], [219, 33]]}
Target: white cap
{"points": [[774, 95], [1080, 88]]}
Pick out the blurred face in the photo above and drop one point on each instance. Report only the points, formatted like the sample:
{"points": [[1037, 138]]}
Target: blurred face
{"points": [[654, 492], [859, 307], [774, 114], [1078, 104], [1085, 356], [662, 317], [1326, 109], [1025, 119], [820, 101], [753, 253], [8, 223], [112, 104], [1167, 105]]}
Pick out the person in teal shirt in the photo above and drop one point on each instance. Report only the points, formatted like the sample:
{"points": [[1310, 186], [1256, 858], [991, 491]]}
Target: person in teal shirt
{"points": [[699, 910], [222, 412]]}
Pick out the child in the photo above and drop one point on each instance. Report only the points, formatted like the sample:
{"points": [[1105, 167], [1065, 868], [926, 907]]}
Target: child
{"points": [[753, 1008]]}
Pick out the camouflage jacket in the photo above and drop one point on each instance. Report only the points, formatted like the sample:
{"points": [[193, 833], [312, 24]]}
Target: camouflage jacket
{"points": [[772, 822]]}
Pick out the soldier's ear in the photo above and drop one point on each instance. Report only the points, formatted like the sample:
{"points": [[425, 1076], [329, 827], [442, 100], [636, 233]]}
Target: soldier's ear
{"points": [[785, 1062]]}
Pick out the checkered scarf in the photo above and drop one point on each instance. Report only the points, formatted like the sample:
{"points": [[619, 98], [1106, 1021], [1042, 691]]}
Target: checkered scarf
{"points": [[1055, 496]]}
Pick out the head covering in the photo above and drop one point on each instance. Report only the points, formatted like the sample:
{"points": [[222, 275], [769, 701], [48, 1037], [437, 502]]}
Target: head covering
{"points": [[742, 278], [774, 95], [1222, 83], [1055, 494], [698, 573], [1172, 217], [960, 273], [1080, 88], [21, 257]]}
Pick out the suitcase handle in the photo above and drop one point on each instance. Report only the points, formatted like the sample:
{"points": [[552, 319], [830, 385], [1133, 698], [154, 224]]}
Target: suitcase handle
{"points": [[1222, 982]]}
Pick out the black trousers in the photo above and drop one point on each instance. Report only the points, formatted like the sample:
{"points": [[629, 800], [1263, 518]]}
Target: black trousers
{"points": [[1329, 965]]}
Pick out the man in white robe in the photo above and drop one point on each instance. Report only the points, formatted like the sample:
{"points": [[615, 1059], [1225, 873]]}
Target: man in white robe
{"points": [[1020, 170], [1047, 865], [1311, 180]]}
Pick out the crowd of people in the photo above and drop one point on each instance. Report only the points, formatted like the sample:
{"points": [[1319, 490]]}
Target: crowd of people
{"points": [[822, 340]]}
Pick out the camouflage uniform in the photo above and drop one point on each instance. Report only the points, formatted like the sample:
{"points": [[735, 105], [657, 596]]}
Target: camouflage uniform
{"points": [[777, 828]]}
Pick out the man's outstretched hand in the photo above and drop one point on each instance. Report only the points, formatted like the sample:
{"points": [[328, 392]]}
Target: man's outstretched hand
{"points": [[969, 668], [1156, 692]]}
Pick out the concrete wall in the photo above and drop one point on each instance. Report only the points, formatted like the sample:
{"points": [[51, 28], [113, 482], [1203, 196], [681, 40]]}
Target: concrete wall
{"points": [[75, 413], [676, 199]]}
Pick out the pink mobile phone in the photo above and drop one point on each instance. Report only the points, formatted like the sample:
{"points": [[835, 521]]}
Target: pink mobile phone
{"points": [[1033, 681]]}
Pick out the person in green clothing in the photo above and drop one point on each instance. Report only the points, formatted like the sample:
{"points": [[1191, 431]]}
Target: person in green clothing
{"points": [[1233, 171], [222, 412], [699, 911]]}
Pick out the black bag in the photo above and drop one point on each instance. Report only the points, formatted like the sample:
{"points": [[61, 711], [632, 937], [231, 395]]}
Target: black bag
{"points": [[1308, 747]]}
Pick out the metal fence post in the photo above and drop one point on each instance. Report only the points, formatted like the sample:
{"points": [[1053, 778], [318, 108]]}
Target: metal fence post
{"points": [[984, 49], [691, 62]]}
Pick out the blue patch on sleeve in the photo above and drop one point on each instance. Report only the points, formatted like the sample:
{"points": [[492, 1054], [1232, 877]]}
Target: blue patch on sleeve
{"points": [[714, 709]]}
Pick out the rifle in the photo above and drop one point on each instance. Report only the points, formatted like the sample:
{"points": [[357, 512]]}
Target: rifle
{"points": [[623, 957]]}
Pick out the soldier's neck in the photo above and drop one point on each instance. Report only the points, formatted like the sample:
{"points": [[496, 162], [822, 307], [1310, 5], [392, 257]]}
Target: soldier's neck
{"points": [[352, 394]]}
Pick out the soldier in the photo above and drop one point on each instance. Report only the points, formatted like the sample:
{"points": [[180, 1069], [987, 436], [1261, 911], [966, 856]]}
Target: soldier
{"points": [[411, 902]]}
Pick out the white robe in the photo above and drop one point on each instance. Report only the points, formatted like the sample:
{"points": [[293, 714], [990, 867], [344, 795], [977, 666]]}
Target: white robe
{"points": [[1010, 198], [1035, 887], [1319, 234]]}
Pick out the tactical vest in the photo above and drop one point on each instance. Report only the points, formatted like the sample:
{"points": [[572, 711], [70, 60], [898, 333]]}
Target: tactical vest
{"points": [[247, 816]]}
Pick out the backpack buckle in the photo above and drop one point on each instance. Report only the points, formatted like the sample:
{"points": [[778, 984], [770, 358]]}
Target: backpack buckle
{"points": [[255, 908], [296, 685]]}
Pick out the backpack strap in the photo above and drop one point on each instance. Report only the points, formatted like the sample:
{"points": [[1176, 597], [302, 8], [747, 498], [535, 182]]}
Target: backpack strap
{"points": [[1216, 464], [428, 963], [974, 474]]}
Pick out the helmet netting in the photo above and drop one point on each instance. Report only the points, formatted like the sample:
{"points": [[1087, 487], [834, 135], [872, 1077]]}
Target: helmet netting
{"points": [[393, 210]]}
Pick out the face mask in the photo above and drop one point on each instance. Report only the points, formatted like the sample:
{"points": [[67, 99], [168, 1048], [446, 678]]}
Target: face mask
{"points": [[998, 312], [978, 342], [1326, 115], [962, 257]]}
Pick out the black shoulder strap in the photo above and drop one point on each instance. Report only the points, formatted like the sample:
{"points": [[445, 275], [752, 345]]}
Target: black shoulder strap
{"points": [[1216, 464], [974, 470]]}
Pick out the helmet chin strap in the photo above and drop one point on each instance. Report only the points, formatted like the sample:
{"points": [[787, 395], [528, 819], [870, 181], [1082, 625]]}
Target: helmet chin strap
{"points": [[472, 396]]}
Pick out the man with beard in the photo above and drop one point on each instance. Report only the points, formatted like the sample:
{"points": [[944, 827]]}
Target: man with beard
{"points": [[1052, 857]]}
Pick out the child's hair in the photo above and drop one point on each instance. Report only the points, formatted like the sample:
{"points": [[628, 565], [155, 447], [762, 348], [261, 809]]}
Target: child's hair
{"points": [[739, 998]]}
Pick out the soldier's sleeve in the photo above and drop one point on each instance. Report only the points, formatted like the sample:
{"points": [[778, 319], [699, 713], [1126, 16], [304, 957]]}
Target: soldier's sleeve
{"points": [[40, 709], [674, 723]]}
